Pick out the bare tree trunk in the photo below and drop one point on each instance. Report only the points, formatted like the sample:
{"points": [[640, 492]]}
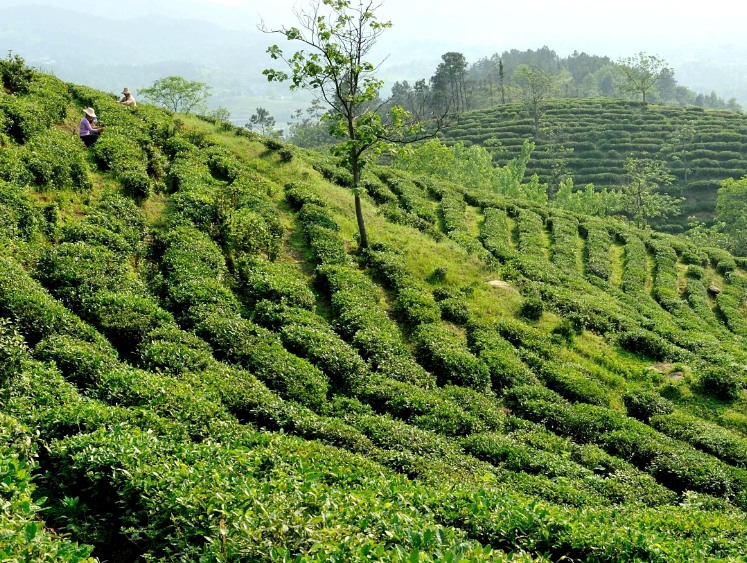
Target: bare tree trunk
{"points": [[358, 210]]}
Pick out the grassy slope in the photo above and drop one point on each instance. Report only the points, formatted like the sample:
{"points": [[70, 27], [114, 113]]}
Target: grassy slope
{"points": [[597, 356], [603, 132]]}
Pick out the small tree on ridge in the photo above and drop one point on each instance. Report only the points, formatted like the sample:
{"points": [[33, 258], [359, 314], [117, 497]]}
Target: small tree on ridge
{"points": [[176, 93], [340, 35], [642, 72]]}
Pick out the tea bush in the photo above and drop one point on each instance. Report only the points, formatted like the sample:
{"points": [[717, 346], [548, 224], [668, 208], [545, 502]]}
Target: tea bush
{"points": [[723, 382], [644, 404], [495, 234], [449, 359], [598, 243]]}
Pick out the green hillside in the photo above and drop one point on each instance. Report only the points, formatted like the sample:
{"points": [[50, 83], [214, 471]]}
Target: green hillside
{"points": [[603, 132], [198, 362]]}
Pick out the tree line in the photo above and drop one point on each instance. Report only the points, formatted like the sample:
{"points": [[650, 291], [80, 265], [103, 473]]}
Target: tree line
{"points": [[502, 78]]}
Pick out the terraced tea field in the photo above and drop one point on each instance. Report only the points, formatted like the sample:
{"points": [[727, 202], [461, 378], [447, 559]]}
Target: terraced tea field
{"points": [[198, 362], [603, 132]]}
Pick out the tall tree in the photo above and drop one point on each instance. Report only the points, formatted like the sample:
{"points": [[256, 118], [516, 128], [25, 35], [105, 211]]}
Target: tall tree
{"points": [[731, 209], [537, 86], [449, 80], [262, 121], [338, 36], [642, 72], [680, 145], [176, 93], [642, 197], [501, 78]]}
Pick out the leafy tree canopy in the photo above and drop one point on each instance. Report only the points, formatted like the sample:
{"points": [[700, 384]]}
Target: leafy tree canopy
{"points": [[176, 93]]}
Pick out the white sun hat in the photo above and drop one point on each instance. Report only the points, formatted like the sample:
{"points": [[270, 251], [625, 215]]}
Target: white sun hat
{"points": [[126, 91], [89, 112]]}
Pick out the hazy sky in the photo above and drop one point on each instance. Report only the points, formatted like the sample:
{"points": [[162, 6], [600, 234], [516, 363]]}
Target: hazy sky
{"points": [[611, 28], [481, 27]]}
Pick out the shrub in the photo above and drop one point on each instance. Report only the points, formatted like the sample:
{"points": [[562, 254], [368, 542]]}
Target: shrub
{"points": [[644, 404], [240, 341], [118, 152], [15, 75], [648, 344], [74, 272], [34, 312], [572, 385], [13, 351], [448, 358], [501, 358], [695, 272], [416, 307], [455, 309], [260, 279], [125, 319], [635, 270], [725, 383], [532, 307], [79, 361], [173, 351], [598, 244], [300, 194], [308, 336], [20, 216]]}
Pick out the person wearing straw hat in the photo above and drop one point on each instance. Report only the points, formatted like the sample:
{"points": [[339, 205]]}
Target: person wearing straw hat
{"points": [[89, 133], [128, 100]]}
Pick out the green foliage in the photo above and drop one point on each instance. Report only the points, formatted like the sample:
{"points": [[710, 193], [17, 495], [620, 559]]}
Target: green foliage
{"points": [[723, 382], [532, 307], [13, 351], [635, 270], [506, 368], [644, 404], [177, 94], [260, 279], [449, 359], [25, 537], [642, 72], [198, 337], [116, 151]]}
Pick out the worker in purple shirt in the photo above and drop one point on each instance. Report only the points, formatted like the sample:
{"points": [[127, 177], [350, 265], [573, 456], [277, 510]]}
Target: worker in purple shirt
{"points": [[89, 133]]}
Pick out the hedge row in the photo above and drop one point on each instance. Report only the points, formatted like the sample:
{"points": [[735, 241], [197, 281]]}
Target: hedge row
{"points": [[448, 358], [565, 252], [411, 198], [672, 464], [705, 436], [666, 285], [453, 211], [24, 535], [598, 243], [635, 268], [531, 234], [495, 234], [193, 265], [729, 304]]}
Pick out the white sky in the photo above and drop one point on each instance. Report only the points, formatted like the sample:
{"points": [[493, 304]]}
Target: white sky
{"points": [[613, 28]]}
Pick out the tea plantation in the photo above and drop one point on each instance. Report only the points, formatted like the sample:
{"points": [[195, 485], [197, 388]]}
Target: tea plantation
{"points": [[199, 363], [603, 132]]}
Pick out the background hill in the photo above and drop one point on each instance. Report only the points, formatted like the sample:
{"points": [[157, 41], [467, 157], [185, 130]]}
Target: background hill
{"points": [[198, 362], [108, 45], [602, 133]]}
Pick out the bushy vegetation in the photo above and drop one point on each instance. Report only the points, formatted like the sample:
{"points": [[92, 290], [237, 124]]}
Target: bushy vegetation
{"points": [[591, 138], [219, 372]]}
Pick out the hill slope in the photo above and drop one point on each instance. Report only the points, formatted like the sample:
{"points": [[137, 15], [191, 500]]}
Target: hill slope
{"points": [[603, 132], [213, 371]]}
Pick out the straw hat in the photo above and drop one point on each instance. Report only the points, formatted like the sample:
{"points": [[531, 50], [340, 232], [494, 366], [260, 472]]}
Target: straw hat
{"points": [[89, 112], [126, 91]]}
